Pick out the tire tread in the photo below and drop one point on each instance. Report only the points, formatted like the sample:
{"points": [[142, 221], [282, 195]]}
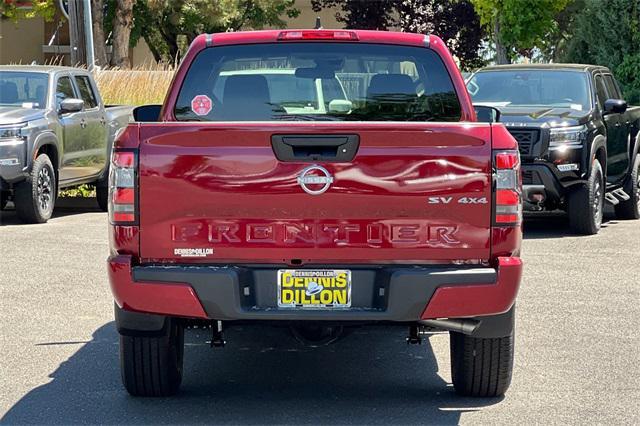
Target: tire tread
{"points": [[581, 201], [25, 193], [149, 365], [481, 367]]}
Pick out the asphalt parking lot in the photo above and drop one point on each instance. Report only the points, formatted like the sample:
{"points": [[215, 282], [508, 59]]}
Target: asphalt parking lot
{"points": [[577, 358]]}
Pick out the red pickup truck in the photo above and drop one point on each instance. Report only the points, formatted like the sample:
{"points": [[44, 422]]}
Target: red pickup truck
{"points": [[320, 180]]}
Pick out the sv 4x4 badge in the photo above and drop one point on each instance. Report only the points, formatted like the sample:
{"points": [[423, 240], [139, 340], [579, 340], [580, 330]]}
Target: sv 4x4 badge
{"points": [[461, 200]]}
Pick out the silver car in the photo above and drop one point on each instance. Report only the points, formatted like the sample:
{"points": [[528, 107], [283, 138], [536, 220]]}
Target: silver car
{"points": [[55, 132]]}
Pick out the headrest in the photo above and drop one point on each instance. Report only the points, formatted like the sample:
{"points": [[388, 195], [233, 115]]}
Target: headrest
{"points": [[384, 85], [250, 89]]}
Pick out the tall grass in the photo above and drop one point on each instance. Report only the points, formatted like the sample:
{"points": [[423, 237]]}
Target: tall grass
{"points": [[138, 86]]}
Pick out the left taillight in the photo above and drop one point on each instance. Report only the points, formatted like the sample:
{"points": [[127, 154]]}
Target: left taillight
{"points": [[123, 188], [507, 189]]}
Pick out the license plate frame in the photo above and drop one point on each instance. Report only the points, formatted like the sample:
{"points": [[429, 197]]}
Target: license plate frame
{"points": [[304, 295]]}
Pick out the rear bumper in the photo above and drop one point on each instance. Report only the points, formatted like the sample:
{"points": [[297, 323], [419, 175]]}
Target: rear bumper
{"points": [[384, 293]]}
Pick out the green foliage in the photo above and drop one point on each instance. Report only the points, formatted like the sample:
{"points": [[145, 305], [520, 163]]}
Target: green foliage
{"points": [[455, 21], [555, 43], [628, 74], [83, 191], [43, 8], [169, 25], [615, 44], [362, 14], [523, 24]]}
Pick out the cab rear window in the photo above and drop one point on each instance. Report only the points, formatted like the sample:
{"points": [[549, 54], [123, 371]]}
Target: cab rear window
{"points": [[317, 82]]}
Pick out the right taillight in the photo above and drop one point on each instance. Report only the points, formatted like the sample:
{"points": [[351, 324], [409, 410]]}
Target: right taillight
{"points": [[508, 198], [123, 197]]}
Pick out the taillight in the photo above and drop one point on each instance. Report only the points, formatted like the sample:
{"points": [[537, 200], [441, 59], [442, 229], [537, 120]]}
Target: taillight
{"points": [[318, 35], [508, 198], [123, 209]]}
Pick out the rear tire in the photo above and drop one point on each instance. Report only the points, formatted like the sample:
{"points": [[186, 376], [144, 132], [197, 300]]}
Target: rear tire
{"points": [[630, 209], [152, 366], [35, 197], [4, 198], [102, 197], [586, 204], [481, 367]]}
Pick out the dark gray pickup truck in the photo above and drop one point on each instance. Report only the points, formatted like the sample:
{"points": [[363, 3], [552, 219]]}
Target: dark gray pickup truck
{"points": [[55, 132], [578, 138]]}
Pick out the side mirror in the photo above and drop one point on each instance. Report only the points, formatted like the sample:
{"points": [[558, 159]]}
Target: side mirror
{"points": [[615, 106], [487, 114], [340, 106], [70, 105], [147, 113]]}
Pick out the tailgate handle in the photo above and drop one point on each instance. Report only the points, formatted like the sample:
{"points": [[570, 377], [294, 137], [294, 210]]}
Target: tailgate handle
{"points": [[331, 148]]}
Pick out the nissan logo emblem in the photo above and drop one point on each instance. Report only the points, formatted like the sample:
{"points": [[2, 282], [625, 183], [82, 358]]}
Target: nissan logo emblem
{"points": [[315, 175]]}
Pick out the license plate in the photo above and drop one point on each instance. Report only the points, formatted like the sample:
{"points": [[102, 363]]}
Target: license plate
{"points": [[314, 289]]}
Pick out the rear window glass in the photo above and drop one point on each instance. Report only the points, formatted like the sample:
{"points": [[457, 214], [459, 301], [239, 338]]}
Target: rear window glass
{"points": [[317, 81]]}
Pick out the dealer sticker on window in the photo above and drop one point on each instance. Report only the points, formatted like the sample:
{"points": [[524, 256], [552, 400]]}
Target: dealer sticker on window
{"points": [[314, 289]]}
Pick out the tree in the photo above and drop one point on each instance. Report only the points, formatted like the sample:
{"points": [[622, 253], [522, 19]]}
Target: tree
{"points": [[518, 26], [11, 9], [168, 25], [122, 24], [555, 43], [99, 42], [362, 14], [615, 44], [455, 21]]}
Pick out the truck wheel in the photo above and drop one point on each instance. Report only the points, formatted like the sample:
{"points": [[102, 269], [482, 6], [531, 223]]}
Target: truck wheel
{"points": [[481, 366], [35, 197], [630, 209], [152, 366], [586, 204], [102, 196]]}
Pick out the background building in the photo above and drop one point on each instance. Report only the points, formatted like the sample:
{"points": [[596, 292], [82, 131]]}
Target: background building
{"points": [[34, 40]]}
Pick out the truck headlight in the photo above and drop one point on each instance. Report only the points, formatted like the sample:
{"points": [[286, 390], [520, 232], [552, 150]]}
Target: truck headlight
{"points": [[11, 133], [568, 136]]}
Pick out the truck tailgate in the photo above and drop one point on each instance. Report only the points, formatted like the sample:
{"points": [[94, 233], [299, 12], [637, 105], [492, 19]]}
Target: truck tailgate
{"points": [[216, 193]]}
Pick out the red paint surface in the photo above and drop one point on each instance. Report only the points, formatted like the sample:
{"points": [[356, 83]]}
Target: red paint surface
{"points": [[219, 185], [195, 179], [506, 241], [502, 139], [157, 298], [124, 240], [478, 300]]}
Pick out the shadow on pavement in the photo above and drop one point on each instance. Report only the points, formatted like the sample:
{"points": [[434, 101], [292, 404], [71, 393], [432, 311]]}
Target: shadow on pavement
{"points": [[556, 225], [262, 376], [64, 207]]}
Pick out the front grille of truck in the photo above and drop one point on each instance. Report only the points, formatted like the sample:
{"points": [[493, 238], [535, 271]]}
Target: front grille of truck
{"points": [[526, 139]]}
